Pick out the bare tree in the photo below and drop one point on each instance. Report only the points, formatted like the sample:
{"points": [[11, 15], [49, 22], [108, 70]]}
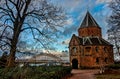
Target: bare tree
{"points": [[114, 25], [37, 17]]}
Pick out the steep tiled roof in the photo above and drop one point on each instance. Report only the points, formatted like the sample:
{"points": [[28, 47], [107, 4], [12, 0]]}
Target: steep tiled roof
{"points": [[92, 41], [89, 21]]}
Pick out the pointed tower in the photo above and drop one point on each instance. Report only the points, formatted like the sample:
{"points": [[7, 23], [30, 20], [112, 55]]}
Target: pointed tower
{"points": [[89, 27]]}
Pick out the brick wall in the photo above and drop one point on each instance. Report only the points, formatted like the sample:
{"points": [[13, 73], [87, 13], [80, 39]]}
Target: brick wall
{"points": [[89, 31]]}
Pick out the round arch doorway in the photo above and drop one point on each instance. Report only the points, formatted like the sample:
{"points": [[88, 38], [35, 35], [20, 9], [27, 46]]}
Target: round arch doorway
{"points": [[75, 64]]}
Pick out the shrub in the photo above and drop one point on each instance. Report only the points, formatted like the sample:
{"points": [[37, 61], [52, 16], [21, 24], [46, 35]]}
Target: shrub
{"points": [[52, 72], [114, 66]]}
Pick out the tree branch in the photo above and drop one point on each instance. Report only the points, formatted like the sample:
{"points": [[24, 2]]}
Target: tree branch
{"points": [[31, 28]]}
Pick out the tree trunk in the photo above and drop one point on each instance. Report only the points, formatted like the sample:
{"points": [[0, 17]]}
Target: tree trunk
{"points": [[16, 32], [11, 58], [14, 41]]}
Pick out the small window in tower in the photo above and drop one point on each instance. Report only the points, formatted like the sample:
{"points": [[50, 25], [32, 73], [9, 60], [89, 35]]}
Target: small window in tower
{"points": [[105, 49], [87, 49], [97, 60], [96, 49]]}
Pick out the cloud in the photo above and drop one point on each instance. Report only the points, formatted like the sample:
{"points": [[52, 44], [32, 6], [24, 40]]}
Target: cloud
{"points": [[66, 42], [103, 1], [69, 21], [68, 5], [72, 5], [69, 30], [55, 52]]}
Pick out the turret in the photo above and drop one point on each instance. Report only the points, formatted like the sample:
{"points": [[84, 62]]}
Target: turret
{"points": [[89, 27]]}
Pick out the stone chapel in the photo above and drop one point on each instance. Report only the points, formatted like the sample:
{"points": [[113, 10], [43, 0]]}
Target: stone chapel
{"points": [[89, 49]]}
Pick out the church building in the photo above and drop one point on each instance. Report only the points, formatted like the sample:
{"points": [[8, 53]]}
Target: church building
{"points": [[89, 49]]}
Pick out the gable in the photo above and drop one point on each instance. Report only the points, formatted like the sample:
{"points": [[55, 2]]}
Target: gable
{"points": [[74, 41]]}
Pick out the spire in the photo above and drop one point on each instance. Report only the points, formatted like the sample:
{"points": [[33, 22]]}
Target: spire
{"points": [[89, 21]]}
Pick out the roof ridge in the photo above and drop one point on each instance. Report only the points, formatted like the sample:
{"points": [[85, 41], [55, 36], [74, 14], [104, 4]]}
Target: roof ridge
{"points": [[106, 41]]}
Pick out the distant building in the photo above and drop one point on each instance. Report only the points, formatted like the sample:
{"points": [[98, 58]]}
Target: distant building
{"points": [[89, 49]]}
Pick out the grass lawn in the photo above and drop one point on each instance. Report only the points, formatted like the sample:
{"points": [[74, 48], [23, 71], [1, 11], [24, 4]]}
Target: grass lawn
{"points": [[108, 76]]}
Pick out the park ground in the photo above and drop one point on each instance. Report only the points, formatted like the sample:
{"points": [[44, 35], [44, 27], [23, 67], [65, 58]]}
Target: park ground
{"points": [[82, 74], [91, 74]]}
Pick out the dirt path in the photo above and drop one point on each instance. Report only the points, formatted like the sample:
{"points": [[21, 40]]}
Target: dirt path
{"points": [[83, 74]]}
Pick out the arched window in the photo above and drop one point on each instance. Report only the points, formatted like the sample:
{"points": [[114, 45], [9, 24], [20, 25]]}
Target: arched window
{"points": [[96, 49], [97, 60], [74, 49], [80, 50], [106, 60], [105, 49], [82, 31], [88, 49]]}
